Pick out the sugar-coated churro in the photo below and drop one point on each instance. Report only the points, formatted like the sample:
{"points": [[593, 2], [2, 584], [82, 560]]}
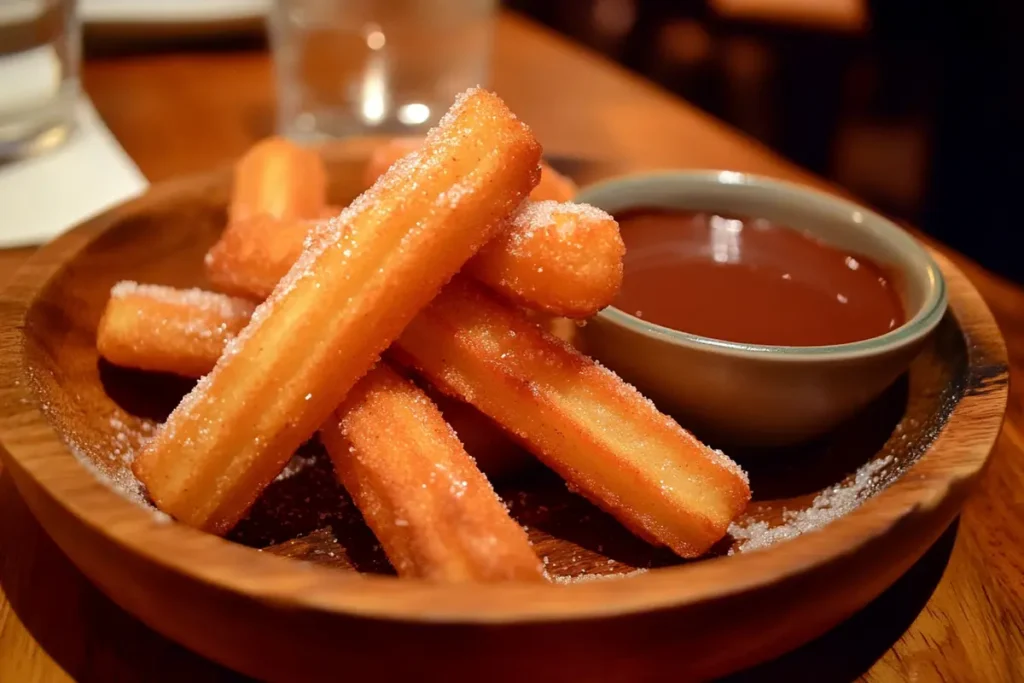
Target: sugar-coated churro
{"points": [[252, 255], [387, 153], [361, 278], [162, 329], [560, 258], [552, 185], [278, 178], [605, 439], [432, 510], [497, 456]]}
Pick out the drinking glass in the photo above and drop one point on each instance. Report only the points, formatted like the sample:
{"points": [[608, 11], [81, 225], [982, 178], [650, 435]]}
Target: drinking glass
{"points": [[40, 48], [358, 67]]}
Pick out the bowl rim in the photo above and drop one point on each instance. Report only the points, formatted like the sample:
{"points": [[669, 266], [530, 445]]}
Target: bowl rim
{"points": [[918, 326], [42, 464]]}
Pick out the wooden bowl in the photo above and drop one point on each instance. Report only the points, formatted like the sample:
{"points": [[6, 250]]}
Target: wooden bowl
{"points": [[297, 610]]}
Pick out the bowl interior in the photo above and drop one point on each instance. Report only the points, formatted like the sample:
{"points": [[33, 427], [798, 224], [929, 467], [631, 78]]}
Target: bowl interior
{"points": [[103, 413], [834, 221]]}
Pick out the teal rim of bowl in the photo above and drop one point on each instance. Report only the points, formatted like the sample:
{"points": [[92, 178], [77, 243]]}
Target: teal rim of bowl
{"points": [[923, 322]]}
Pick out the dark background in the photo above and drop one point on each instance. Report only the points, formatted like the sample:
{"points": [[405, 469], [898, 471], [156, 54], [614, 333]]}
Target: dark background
{"points": [[915, 105]]}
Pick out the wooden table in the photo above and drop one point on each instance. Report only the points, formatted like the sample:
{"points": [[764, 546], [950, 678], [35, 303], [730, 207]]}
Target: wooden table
{"points": [[956, 616]]}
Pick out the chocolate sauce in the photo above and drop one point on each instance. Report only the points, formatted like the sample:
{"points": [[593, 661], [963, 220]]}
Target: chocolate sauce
{"points": [[750, 281]]}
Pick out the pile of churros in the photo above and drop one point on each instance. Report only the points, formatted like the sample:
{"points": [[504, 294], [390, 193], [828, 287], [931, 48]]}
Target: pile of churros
{"points": [[444, 270]]}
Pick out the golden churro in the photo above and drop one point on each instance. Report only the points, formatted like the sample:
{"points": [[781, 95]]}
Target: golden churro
{"points": [[156, 328], [605, 439], [563, 259], [252, 255], [497, 456], [278, 178], [553, 185], [432, 510], [162, 329], [560, 258], [387, 153], [362, 277]]}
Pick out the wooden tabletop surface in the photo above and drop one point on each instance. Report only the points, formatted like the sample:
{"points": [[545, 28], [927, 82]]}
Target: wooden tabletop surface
{"points": [[958, 615]]}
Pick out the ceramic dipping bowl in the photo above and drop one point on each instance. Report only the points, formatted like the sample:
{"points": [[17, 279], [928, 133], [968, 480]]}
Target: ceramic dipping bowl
{"points": [[755, 395]]}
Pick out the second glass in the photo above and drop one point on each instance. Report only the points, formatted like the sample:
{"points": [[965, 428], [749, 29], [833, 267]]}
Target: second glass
{"points": [[39, 55], [356, 67]]}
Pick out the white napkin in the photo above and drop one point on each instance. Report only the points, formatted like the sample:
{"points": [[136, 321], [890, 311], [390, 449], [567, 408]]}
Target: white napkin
{"points": [[145, 11], [41, 197]]}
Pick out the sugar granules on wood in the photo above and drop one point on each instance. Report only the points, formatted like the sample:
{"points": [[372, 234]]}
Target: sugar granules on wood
{"points": [[830, 504]]}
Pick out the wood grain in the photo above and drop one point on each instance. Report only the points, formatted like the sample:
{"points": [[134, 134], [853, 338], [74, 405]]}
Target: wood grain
{"points": [[228, 104]]}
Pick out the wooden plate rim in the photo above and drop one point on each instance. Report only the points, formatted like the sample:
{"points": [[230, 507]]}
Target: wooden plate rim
{"points": [[34, 450]]}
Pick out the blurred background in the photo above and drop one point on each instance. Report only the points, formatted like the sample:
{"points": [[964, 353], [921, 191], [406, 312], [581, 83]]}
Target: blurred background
{"points": [[914, 105]]}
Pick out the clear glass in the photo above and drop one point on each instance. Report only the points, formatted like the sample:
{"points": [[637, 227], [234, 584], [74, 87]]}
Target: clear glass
{"points": [[368, 67], [40, 49]]}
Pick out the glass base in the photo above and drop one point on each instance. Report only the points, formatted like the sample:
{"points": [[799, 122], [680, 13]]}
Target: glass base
{"points": [[34, 140], [40, 129], [322, 126]]}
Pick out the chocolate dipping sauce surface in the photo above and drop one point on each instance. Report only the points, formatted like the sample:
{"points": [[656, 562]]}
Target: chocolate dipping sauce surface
{"points": [[750, 281]]}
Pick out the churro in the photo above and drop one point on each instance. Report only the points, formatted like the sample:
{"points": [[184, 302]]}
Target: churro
{"points": [[606, 440], [434, 513], [553, 185], [162, 329], [252, 255], [278, 178], [497, 456], [560, 258], [384, 155], [360, 280]]}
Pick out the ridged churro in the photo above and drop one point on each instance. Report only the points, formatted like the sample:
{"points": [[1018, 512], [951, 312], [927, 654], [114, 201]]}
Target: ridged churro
{"points": [[360, 280], [252, 255], [605, 439], [386, 154], [559, 258], [162, 329], [432, 510], [278, 178], [553, 185], [497, 456]]}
